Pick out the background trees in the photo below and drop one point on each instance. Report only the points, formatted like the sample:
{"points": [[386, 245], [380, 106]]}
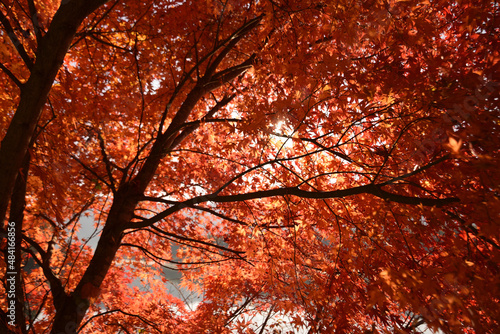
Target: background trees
{"points": [[333, 162]]}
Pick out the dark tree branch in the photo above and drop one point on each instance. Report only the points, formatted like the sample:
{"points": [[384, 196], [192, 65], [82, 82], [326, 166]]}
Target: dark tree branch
{"points": [[371, 189], [107, 162], [56, 287], [192, 126], [11, 75], [159, 233], [416, 171], [264, 324], [34, 20], [17, 207], [157, 258], [147, 322], [217, 214], [227, 75], [201, 242], [100, 40], [91, 171], [50, 56], [470, 227], [17, 43], [95, 24], [205, 85], [231, 43]]}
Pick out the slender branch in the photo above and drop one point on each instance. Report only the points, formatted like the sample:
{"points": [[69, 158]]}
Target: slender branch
{"points": [[49, 58], [217, 214], [205, 85], [192, 126], [330, 149], [100, 40], [159, 233], [393, 146], [264, 324], [180, 237], [473, 230], [156, 258], [37, 313], [213, 120], [11, 75], [56, 286], [233, 40], [416, 171], [34, 20], [104, 15], [147, 322], [240, 309], [107, 162], [227, 75], [17, 43], [91, 171]]}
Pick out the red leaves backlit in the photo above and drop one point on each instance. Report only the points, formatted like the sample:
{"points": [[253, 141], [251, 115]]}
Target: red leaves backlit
{"points": [[288, 166]]}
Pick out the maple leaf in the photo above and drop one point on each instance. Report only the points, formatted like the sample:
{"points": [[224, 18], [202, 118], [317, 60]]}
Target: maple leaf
{"points": [[454, 145]]}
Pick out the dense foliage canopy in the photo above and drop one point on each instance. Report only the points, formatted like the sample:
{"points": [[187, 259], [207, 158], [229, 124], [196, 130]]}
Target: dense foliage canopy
{"points": [[309, 166]]}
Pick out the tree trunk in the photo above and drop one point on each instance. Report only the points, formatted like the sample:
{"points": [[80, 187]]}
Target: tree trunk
{"points": [[71, 309], [49, 58]]}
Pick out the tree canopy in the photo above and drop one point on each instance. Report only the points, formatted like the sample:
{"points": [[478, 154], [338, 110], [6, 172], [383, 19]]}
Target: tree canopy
{"points": [[308, 166]]}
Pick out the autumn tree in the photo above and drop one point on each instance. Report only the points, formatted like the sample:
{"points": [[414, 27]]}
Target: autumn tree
{"points": [[309, 166]]}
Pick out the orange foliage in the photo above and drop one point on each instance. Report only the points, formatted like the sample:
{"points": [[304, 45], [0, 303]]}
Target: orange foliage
{"points": [[308, 166]]}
